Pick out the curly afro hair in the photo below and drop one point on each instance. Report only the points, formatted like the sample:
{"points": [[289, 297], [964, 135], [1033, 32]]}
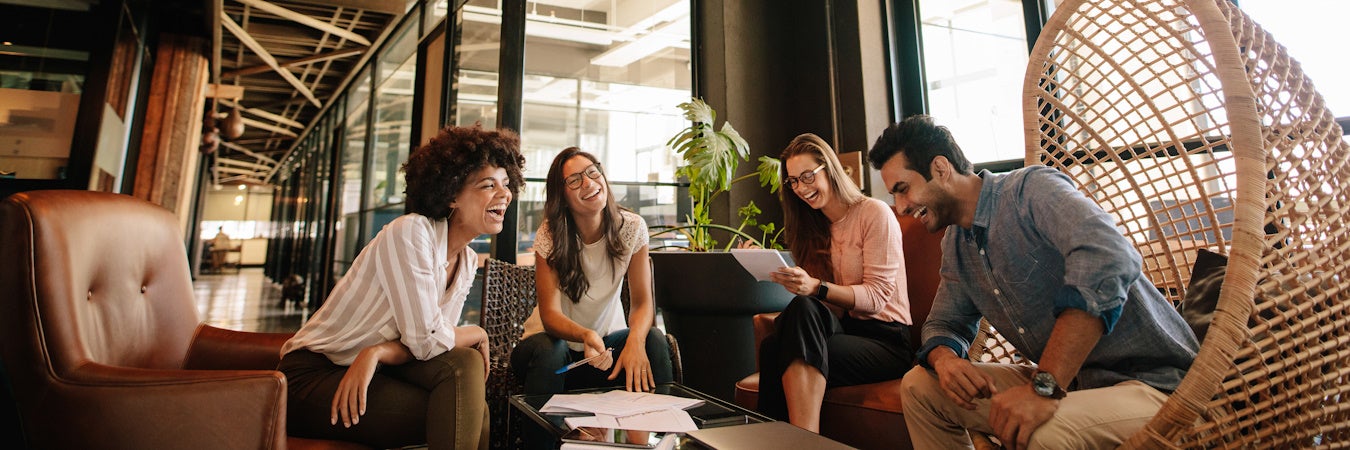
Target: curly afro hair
{"points": [[436, 172]]}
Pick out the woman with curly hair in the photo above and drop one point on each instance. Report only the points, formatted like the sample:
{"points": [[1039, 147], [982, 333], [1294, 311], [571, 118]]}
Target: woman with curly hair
{"points": [[382, 362], [584, 248], [849, 323]]}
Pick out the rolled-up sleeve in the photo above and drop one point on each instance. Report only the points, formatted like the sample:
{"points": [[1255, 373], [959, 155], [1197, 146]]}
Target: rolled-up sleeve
{"points": [[1100, 265], [407, 269], [882, 259], [954, 319]]}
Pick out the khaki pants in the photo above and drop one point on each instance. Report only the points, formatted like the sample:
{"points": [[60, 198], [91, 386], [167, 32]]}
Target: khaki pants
{"points": [[1086, 419]]}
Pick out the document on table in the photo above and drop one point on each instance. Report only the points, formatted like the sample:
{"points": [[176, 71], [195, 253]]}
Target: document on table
{"points": [[616, 403], [760, 262], [661, 421], [667, 443]]}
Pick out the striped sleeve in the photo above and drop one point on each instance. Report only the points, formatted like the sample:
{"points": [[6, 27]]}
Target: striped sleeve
{"points": [[406, 266]]}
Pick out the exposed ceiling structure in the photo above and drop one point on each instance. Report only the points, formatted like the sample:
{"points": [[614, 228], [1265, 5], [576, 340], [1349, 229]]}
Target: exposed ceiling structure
{"points": [[280, 62]]}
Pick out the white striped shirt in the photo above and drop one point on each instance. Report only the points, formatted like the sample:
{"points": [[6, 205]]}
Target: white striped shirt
{"points": [[395, 290]]}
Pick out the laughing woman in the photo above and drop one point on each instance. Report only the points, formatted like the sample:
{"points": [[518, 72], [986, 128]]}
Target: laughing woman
{"points": [[585, 247], [849, 323], [382, 362]]}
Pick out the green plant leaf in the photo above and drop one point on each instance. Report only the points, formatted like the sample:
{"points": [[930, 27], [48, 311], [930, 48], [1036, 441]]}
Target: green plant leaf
{"points": [[770, 174]]}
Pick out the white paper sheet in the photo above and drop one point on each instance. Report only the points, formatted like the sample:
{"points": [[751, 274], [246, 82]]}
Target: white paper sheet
{"points": [[760, 262], [660, 421], [616, 403]]}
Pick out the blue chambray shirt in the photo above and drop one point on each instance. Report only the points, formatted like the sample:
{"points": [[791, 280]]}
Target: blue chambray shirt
{"points": [[1037, 246]]}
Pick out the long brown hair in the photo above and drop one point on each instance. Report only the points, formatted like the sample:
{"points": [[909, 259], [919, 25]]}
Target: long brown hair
{"points": [[565, 259], [807, 230]]}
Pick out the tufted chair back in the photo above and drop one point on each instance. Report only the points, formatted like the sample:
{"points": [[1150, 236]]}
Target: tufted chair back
{"points": [[101, 342]]}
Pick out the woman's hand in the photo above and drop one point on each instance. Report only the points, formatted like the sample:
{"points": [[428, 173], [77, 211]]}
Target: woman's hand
{"points": [[487, 357], [349, 403], [636, 367], [475, 337], [595, 346], [796, 280]]}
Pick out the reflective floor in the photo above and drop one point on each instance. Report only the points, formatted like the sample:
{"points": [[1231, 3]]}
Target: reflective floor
{"points": [[245, 301]]}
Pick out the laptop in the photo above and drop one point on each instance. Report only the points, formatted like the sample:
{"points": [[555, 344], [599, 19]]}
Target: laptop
{"points": [[763, 435]]}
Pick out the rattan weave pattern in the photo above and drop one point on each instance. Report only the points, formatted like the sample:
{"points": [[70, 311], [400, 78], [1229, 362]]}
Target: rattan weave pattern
{"points": [[1192, 127], [508, 299]]}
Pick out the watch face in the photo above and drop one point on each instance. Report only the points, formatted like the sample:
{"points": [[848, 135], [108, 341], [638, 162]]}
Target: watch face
{"points": [[1044, 384]]}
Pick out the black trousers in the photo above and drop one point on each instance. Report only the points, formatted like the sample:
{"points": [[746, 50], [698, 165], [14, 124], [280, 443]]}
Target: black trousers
{"points": [[848, 351]]}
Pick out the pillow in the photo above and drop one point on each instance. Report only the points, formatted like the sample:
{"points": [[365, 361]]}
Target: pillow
{"points": [[1202, 293]]}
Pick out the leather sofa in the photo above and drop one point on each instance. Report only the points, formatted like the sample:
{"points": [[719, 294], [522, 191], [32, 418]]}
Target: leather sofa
{"points": [[101, 342], [870, 416]]}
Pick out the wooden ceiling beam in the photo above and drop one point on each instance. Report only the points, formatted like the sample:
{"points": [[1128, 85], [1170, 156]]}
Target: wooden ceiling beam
{"points": [[269, 127], [262, 53], [297, 62], [391, 7], [266, 115], [305, 20], [245, 151]]}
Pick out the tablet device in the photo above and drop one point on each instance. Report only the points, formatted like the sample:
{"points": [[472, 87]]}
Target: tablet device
{"points": [[612, 436]]}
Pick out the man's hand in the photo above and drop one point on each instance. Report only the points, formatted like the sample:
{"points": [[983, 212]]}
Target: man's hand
{"points": [[636, 367], [1015, 413], [349, 403], [961, 381]]}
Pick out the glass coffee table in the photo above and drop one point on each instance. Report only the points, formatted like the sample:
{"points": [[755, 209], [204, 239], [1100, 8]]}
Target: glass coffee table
{"points": [[712, 413]]}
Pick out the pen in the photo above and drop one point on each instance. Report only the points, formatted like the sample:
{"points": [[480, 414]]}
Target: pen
{"points": [[584, 361]]}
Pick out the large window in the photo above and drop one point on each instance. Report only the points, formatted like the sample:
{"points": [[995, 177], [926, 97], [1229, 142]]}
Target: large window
{"points": [[1311, 31], [974, 57], [605, 77]]}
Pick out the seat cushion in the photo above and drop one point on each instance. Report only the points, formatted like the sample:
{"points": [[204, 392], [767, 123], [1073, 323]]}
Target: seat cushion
{"points": [[863, 416], [881, 397], [295, 443]]}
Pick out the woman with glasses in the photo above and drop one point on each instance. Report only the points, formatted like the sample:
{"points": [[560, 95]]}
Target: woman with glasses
{"points": [[385, 361], [849, 323], [584, 248]]}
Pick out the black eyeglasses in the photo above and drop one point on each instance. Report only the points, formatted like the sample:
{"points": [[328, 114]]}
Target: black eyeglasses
{"points": [[574, 180], [808, 177]]}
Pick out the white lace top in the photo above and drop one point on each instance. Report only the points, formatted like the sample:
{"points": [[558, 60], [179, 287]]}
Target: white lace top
{"points": [[600, 308]]}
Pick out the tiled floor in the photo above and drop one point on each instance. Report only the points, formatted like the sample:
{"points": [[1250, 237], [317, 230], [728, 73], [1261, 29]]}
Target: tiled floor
{"points": [[245, 301]]}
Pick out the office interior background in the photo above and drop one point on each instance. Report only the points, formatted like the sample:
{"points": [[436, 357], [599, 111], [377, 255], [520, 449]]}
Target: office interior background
{"points": [[115, 95]]}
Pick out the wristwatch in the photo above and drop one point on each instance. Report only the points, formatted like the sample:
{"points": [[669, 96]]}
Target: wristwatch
{"points": [[822, 291], [1045, 385]]}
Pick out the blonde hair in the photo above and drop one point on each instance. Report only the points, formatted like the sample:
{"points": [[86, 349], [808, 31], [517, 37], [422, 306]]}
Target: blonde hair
{"points": [[807, 230]]}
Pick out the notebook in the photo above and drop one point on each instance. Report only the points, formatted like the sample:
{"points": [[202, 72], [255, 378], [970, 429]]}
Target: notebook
{"points": [[763, 435]]}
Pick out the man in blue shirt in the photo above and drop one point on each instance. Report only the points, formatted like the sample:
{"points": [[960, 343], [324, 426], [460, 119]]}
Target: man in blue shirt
{"points": [[1051, 272]]}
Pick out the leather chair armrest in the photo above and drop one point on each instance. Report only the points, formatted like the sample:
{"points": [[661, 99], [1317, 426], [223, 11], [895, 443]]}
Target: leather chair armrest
{"points": [[763, 323], [110, 407], [220, 349]]}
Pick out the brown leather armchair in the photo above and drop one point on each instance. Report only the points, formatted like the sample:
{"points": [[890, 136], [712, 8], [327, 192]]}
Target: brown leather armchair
{"points": [[101, 342], [870, 416]]}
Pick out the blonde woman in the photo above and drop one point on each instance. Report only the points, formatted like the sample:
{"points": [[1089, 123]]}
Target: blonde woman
{"points": [[849, 323]]}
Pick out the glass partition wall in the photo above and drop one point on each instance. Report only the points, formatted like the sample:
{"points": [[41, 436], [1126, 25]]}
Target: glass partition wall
{"points": [[605, 77]]}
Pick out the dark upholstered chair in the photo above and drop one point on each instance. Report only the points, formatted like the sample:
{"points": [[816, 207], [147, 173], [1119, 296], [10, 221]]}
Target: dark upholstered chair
{"points": [[870, 416], [508, 299], [101, 342]]}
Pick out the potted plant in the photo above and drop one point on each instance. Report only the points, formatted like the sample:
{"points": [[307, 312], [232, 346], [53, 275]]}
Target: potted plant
{"points": [[706, 299], [711, 158]]}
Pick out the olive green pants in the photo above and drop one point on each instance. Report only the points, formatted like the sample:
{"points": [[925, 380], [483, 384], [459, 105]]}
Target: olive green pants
{"points": [[439, 402]]}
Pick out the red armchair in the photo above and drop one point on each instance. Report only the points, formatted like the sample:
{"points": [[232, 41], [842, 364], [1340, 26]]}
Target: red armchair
{"points": [[101, 342], [870, 416]]}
